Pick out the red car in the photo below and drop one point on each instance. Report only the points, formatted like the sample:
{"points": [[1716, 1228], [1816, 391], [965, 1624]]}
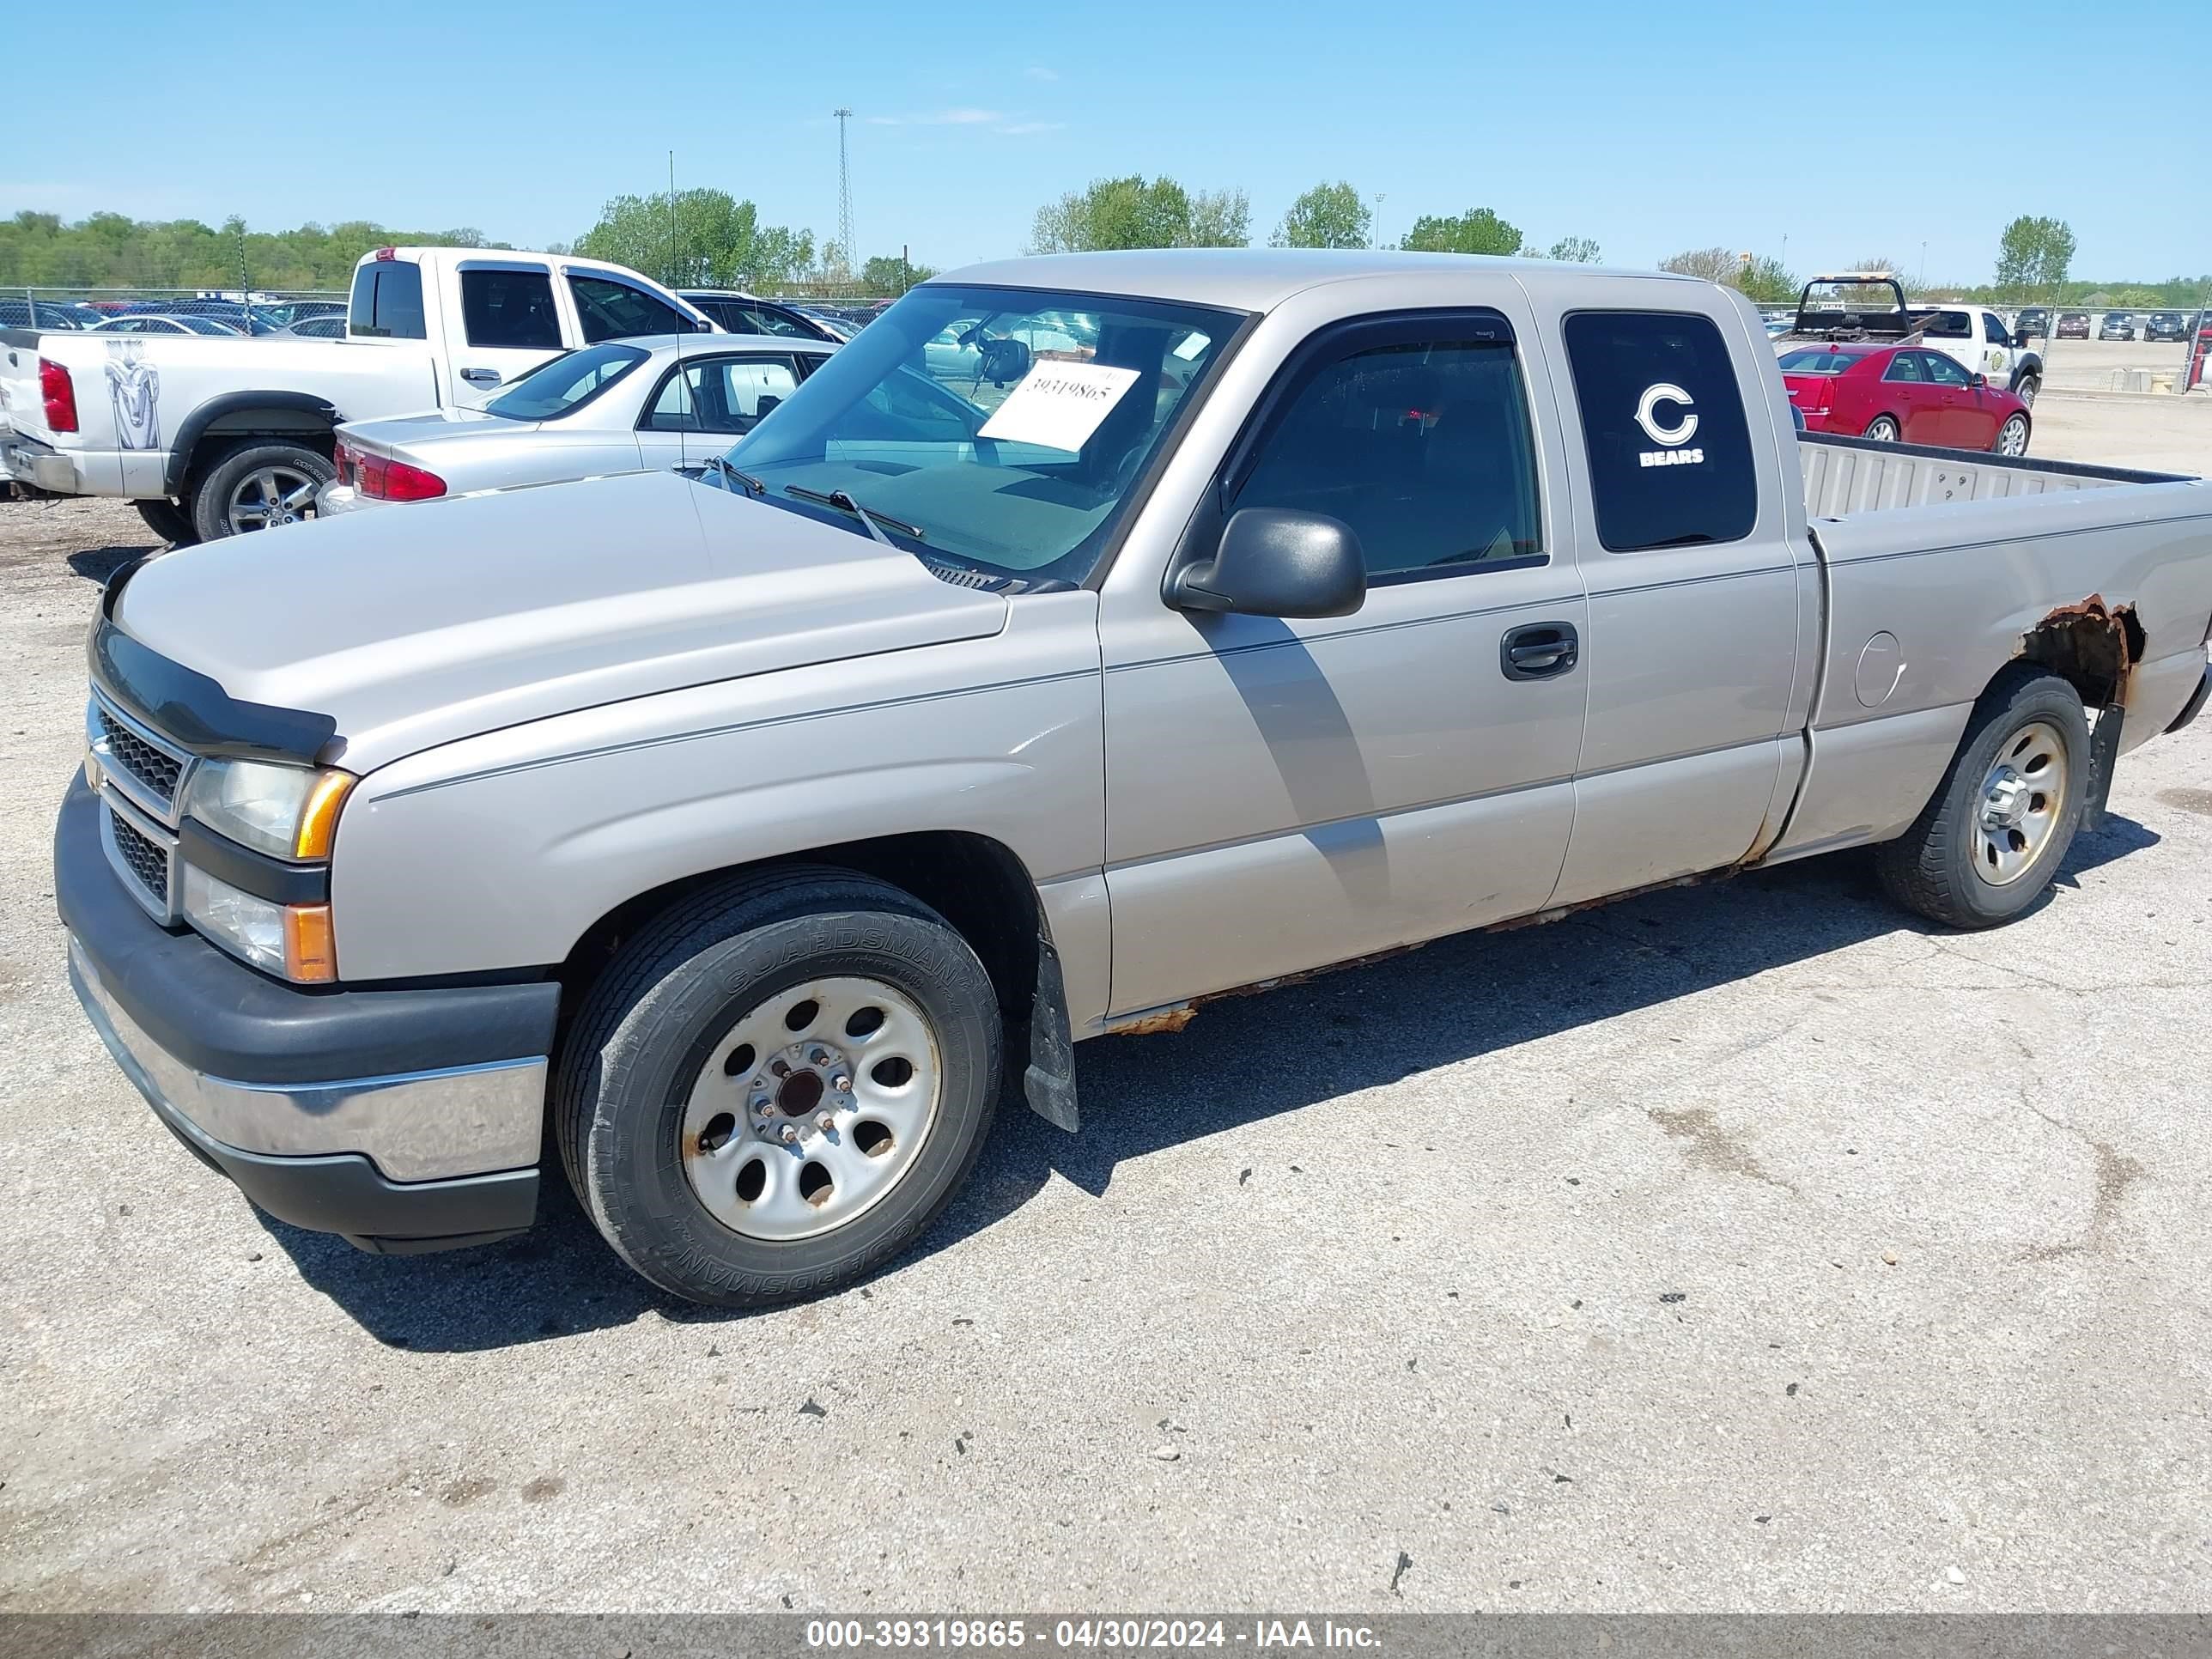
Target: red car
{"points": [[1902, 393]]}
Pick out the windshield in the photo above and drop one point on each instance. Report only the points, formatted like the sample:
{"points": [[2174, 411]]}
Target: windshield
{"points": [[997, 428], [566, 384]]}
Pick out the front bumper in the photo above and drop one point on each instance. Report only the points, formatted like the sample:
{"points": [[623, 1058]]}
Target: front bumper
{"points": [[403, 1119]]}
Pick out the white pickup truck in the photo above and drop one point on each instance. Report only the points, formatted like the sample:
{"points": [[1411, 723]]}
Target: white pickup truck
{"points": [[1871, 304], [211, 437]]}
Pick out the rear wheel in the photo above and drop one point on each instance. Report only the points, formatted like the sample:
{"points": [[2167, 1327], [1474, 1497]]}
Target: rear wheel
{"points": [[774, 1089], [259, 486], [2012, 436], [1989, 843], [168, 521], [1882, 429]]}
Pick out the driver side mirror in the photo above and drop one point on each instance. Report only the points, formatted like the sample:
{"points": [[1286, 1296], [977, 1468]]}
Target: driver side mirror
{"points": [[1276, 563], [1981, 380]]}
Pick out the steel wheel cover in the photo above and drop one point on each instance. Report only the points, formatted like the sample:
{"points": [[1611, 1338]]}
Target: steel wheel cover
{"points": [[811, 1108], [2022, 799]]}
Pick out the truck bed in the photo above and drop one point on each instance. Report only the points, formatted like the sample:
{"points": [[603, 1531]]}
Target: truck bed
{"points": [[1858, 475]]}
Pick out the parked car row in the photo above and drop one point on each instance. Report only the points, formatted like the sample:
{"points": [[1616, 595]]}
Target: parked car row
{"points": [[2034, 322], [1086, 639]]}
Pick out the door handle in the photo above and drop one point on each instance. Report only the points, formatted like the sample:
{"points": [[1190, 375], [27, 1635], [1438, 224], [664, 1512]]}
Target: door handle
{"points": [[1538, 651], [481, 376]]}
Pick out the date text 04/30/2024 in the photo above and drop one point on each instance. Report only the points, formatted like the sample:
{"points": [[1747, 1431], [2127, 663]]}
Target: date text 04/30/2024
{"points": [[1108, 1634]]}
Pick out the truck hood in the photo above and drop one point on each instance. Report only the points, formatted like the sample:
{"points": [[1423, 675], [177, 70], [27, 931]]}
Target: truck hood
{"points": [[446, 619]]}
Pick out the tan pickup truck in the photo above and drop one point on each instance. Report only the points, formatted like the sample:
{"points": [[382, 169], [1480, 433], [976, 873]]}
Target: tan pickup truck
{"points": [[742, 826]]}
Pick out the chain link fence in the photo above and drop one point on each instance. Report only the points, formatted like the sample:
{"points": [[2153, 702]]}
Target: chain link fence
{"points": [[309, 313]]}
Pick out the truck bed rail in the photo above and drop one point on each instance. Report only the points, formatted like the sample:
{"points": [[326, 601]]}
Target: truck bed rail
{"points": [[1860, 475]]}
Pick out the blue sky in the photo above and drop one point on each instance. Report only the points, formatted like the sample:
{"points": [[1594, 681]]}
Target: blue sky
{"points": [[1650, 127]]}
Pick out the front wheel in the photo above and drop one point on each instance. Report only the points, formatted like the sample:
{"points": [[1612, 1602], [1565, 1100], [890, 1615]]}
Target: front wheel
{"points": [[1882, 429], [2026, 390], [773, 1089], [259, 486], [1988, 844], [2012, 436]]}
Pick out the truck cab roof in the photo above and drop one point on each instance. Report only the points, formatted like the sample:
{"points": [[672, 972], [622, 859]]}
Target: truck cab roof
{"points": [[1246, 279]]}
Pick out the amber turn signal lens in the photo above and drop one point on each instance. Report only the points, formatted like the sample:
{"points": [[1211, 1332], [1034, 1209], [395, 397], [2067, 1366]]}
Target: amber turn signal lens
{"points": [[318, 818], [310, 956]]}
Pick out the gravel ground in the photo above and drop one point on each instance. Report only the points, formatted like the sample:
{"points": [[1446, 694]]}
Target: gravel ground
{"points": [[1745, 1248]]}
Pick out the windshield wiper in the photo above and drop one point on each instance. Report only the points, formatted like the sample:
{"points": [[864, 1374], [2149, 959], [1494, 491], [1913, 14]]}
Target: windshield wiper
{"points": [[745, 480], [843, 501]]}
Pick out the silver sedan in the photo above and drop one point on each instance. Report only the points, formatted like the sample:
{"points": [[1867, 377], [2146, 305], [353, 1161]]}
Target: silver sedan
{"points": [[619, 406]]}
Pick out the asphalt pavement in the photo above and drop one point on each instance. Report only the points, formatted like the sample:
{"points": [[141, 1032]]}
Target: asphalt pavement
{"points": [[1746, 1247]]}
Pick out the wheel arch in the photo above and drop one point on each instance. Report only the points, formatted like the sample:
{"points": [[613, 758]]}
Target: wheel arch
{"points": [[214, 423], [2091, 645], [977, 884]]}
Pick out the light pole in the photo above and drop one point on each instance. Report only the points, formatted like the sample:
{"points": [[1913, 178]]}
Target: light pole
{"points": [[1375, 221]]}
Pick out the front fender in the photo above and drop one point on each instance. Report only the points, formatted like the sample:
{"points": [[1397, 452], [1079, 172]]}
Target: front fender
{"points": [[502, 851]]}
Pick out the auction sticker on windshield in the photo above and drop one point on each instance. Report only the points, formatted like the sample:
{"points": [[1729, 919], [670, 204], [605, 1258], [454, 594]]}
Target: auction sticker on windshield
{"points": [[1059, 405]]}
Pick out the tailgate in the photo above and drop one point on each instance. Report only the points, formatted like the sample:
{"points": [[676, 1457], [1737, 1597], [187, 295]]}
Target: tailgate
{"points": [[23, 407]]}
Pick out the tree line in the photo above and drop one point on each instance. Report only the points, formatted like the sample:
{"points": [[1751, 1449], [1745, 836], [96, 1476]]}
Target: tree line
{"points": [[709, 238], [111, 250]]}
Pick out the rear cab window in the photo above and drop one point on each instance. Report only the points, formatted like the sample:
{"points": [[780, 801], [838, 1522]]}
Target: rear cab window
{"points": [[1662, 422], [387, 301]]}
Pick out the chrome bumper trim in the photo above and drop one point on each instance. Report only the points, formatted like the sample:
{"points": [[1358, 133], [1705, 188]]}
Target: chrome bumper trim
{"points": [[46, 468], [421, 1125]]}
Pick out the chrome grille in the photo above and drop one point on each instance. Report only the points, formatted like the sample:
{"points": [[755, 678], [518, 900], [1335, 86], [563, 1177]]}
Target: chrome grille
{"points": [[142, 856], [155, 771]]}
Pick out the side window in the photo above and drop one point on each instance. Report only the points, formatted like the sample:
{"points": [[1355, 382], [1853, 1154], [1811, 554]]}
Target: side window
{"points": [[1663, 419], [1905, 365], [1994, 332], [758, 319], [673, 409], [387, 301], [510, 308], [727, 395], [1950, 325], [1943, 371], [1424, 448], [616, 310]]}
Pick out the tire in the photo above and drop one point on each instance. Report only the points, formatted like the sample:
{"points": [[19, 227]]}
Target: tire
{"points": [[1943, 866], [2012, 436], [2028, 386], [168, 521], [643, 1067], [224, 495], [1883, 429]]}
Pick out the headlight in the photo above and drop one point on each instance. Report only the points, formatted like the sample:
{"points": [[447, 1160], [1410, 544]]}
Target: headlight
{"points": [[286, 812], [293, 940]]}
